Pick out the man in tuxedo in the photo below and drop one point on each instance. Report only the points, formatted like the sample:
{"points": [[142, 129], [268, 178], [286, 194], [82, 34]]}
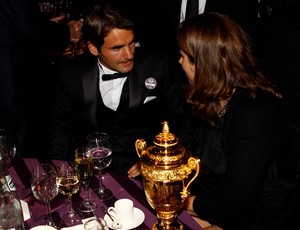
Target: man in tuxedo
{"points": [[160, 24], [146, 91], [24, 33]]}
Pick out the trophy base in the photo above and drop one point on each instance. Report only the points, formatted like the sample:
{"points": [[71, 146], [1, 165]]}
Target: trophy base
{"points": [[163, 225]]}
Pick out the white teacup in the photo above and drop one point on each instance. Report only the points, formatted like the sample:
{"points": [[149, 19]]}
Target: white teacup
{"points": [[122, 211]]}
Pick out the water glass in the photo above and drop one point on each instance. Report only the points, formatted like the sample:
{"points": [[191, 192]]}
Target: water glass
{"points": [[45, 187], [101, 152]]}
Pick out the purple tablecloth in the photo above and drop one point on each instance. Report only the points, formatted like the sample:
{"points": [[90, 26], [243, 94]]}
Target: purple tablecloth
{"points": [[121, 186]]}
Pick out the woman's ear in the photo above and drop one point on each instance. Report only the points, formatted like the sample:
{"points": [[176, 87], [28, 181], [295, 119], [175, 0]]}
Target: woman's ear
{"points": [[93, 49]]}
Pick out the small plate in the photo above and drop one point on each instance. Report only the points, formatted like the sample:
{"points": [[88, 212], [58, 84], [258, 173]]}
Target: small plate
{"points": [[76, 227], [43, 227], [139, 218]]}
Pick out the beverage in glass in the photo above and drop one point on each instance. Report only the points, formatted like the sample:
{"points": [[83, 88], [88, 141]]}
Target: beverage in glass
{"points": [[85, 166], [102, 156], [68, 181]]}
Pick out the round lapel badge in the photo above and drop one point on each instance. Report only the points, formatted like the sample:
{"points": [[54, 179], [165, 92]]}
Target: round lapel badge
{"points": [[150, 83]]}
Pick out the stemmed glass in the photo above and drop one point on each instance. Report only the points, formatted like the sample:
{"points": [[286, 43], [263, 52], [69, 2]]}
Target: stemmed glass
{"points": [[7, 147], [45, 187], [102, 156], [68, 181], [84, 161], [7, 153]]}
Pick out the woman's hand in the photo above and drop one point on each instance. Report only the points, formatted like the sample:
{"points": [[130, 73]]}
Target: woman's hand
{"points": [[204, 224], [135, 170]]}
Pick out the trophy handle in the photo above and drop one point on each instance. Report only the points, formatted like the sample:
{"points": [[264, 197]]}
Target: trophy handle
{"points": [[140, 146], [193, 164]]}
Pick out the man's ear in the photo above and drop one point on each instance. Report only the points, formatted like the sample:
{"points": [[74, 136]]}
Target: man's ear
{"points": [[93, 49]]}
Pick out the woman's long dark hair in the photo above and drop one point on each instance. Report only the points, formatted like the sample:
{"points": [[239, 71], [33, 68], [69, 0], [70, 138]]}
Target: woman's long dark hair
{"points": [[222, 54]]}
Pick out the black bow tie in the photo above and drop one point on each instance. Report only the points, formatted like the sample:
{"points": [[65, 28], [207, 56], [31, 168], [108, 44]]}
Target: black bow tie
{"points": [[107, 77]]}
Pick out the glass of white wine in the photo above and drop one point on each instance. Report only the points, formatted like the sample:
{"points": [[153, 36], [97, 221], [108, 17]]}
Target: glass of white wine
{"points": [[68, 181], [85, 166]]}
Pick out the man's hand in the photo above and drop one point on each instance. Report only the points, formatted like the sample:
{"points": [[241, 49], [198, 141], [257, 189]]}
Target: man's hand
{"points": [[75, 30], [58, 19]]}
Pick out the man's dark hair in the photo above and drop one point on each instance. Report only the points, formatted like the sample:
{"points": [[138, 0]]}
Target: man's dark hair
{"points": [[102, 20]]}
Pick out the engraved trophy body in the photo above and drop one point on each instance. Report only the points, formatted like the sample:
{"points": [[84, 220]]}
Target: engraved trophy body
{"points": [[167, 169]]}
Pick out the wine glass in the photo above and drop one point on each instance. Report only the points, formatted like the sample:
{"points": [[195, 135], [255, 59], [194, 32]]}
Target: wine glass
{"points": [[102, 157], [68, 181], [45, 187], [7, 147], [85, 166], [7, 153]]}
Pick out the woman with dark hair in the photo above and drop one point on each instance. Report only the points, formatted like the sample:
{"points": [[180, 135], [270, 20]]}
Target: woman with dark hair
{"points": [[247, 179]]}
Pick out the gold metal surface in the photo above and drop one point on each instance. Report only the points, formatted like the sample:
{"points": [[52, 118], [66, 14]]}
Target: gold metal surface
{"points": [[168, 170]]}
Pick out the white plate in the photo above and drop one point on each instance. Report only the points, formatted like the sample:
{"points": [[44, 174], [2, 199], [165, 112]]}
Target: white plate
{"points": [[139, 217], [76, 227], [43, 227]]}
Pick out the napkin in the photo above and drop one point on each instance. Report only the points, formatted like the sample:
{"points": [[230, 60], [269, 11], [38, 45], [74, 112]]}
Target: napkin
{"points": [[25, 209], [79, 226], [76, 227]]}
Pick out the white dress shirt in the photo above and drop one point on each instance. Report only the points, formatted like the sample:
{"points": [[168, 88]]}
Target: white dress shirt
{"points": [[110, 90], [183, 7]]}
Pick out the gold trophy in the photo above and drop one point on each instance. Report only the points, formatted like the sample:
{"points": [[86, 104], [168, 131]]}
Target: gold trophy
{"points": [[167, 170]]}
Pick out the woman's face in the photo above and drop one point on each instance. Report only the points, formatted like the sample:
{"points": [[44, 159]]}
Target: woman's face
{"points": [[187, 66]]}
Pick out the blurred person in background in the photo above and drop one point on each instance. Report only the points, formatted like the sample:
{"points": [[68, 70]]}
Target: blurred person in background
{"points": [[160, 19], [24, 33]]}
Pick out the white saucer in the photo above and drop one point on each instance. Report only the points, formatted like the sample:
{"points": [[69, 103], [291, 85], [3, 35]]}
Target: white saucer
{"points": [[43, 227], [139, 217]]}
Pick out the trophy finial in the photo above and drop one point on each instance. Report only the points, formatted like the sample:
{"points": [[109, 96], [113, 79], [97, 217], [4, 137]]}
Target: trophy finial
{"points": [[165, 129]]}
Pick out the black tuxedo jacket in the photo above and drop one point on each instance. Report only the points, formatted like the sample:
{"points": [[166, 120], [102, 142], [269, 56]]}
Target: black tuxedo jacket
{"points": [[160, 32], [79, 110]]}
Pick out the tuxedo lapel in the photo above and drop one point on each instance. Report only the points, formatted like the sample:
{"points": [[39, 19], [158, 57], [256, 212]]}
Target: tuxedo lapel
{"points": [[90, 82], [136, 83]]}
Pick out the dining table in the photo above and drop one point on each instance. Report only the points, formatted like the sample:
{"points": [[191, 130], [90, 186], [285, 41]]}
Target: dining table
{"points": [[121, 186]]}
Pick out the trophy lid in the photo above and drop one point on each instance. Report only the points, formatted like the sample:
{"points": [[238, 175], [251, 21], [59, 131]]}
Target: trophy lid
{"points": [[165, 138], [166, 152]]}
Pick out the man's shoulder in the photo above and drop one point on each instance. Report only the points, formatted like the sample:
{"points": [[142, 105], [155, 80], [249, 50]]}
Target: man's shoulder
{"points": [[80, 60]]}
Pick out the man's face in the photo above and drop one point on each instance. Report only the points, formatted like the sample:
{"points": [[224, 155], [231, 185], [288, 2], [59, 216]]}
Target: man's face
{"points": [[117, 52]]}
